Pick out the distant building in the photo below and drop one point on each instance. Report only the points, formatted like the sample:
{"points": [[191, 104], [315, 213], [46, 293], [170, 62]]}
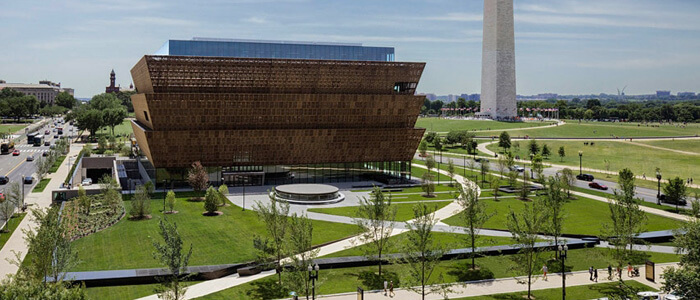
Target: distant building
{"points": [[663, 94], [45, 91], [431, 97], [686, 95], [475, 97], [112, 88], [548, 96]]}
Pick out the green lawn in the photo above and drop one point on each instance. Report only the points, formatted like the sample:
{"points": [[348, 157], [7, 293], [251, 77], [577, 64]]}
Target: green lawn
{"points": [[581, 216], [574, 293], [41, 185], [404, 212], [122, 129], [445, 125], [10, 227], [11, 128], [216, 240], [124, 291], [349, 279], [641, 160], [451, 240], [607, 130], [57, 164]]}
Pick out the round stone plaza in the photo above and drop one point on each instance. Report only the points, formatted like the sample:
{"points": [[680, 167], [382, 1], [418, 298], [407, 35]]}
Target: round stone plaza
{"points": [[308, 194]]}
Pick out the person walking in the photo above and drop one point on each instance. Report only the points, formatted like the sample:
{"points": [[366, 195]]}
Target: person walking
{"points": [[391, 289], [590, 271], [386, 284], [595, 275], [610, 273], [544, 272], [629, 269]]}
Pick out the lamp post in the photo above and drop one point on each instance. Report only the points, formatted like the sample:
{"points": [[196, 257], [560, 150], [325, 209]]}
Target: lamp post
{"points": [[313, 276], [658, 191], [23, 183], [243, 180], [164, 184], [562, 256], [580, 162], [464, 166], [532, 157]]}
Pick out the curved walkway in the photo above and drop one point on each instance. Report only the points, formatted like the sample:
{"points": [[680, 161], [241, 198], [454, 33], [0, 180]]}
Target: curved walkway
{"points": [[526, 128], [665, 149]]}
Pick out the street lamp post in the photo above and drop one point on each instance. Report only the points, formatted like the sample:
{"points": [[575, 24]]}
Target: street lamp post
{"points": [[532, 157], [658, 191], [22, 192], [580, 162], [313, 276], [562, 256]]}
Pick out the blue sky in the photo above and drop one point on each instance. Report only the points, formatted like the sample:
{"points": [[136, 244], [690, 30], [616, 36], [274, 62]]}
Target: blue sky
{"points": [[563, 46]]}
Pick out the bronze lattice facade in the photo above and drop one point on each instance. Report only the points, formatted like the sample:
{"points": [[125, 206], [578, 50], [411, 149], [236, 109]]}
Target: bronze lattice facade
{"points": [[228, 112]]}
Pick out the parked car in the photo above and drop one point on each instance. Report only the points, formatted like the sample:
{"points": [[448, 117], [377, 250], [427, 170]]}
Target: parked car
{"points": [[481, 160], [86, 181], [28, 180], [4, 179], [55, 136], [30, 158], [672, 296], [597, 186], [517, 168], [585, 177], [648, 296], [47, 132], [15, 153]]}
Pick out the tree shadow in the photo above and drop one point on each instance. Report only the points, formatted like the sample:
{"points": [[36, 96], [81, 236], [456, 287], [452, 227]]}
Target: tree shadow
{"points": [[464, 272], [372, 281], [267, 289]]}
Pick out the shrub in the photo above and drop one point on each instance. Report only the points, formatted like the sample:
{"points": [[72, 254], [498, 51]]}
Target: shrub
{"points": [[170, 200], [211, 200], [223, 191], [140, 204]]}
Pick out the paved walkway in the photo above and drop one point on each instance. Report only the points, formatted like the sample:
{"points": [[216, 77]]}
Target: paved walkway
{"points": [[16, 242], [664, 149], [648, 248], [508, 285], [526, 128]]}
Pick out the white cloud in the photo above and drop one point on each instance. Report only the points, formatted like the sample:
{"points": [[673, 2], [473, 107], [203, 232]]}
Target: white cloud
{"points": [[458, 17], [256, 20]]}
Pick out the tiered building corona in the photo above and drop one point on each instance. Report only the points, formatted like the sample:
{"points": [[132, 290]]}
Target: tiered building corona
{"points": [[276, 121]]}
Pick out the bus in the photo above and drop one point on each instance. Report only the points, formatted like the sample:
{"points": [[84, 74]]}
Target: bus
{"points": [[30, 137], [6, 146], [38, 140]]}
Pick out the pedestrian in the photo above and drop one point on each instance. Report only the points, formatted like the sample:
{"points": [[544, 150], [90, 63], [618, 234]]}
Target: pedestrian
{"points": [[386, 284], [590, 271], [391, 289], [610, 275], [629, 269], [644, 176], [544, 272], [595, 275]]}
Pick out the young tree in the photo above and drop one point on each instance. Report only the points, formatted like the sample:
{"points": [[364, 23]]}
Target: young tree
{"points": [[533, 148], [484, 170], [42, 167], [7, 210], [545, 151], [421, 252], [451, 170], [197, 177], [102, 143], [171, 255], [524, 187], [276, 222], [525, 227], [430, 136], [473, 214], [502, 164], [110, 193], [437, 144], [553, 203], [428, 185], [685, 280], [211, 201], [223, 191], [627, 220], [538, 168], [676, 191], [562, 153], [471, 165], [170, 201], [423, 148], [299, 245], [140, 203], [504, 141], [375, 217], [84, 200], [568, 179]]}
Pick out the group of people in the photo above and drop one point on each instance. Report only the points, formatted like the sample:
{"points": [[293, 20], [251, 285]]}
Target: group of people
{"points": [[593, 272], [389, 285]]}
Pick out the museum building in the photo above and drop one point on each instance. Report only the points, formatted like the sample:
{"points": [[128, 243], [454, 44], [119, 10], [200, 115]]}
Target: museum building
{"points": [[272, 121]]}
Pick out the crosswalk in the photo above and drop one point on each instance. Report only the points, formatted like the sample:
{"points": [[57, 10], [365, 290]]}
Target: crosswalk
{"points": [[30, 148]]}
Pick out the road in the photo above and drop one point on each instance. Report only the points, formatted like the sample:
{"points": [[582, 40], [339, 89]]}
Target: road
{"points": [[16, 167]]}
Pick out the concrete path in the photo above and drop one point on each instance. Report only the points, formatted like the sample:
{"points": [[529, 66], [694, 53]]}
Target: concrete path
{"points": [[507, 285], [16, 243], [526, 128], [664, 149], [647, 248]]}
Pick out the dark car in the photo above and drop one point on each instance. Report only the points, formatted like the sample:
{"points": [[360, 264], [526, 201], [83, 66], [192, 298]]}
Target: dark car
{"points": [[28, 180], [598, 186], [46, 153], [30, 158], [585, 177], [4, 179], [47, 143], [55, 136], [665, 199], [481, 160]]}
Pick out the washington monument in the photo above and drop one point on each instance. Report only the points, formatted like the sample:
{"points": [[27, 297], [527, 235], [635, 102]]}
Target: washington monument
{"points": [[498, 61]]}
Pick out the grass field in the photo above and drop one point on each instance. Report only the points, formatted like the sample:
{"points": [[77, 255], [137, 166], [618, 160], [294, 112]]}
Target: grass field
{"points": [[349, 279], [573, 129], [581, 216], [682, 145], [11, 128], [574, 293], [41, 185], [451, 240], [445, 125], [404, 211], [123, 129], [639, 159], [216, 240], [124, 291], [10, 228]]}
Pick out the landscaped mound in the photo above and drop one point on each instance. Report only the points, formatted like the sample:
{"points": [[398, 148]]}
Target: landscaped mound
{"points": [[82, 222]]}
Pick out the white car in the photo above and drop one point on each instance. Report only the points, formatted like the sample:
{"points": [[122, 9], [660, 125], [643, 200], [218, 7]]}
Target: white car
{"points": [[671, 296], [517, 168], [648, 296], [87, 181]]}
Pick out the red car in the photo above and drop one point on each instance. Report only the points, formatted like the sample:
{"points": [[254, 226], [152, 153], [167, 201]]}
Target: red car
{"points": [[15, 153], [2, 197], [597, 186]]}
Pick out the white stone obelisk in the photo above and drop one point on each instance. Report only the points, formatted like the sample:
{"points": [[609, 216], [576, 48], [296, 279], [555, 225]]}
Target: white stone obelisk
{"points": [[498, 61]]}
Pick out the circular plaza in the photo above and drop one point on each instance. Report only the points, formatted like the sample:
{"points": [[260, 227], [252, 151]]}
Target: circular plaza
{"points": [[308, 194]]}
